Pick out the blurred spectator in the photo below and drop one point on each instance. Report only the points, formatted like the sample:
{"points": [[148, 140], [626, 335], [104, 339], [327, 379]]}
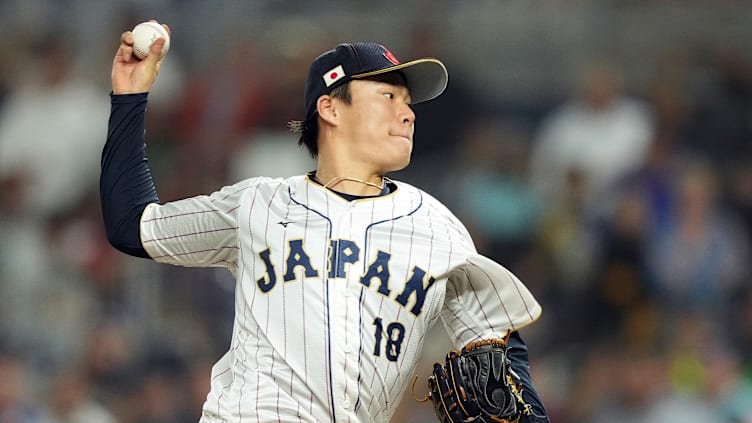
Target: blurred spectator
{"points": [[600, 134], [16, 400], [565, 254], [224, 103], [487, 186], [51, 129], [270, 153], [160, 393], [49, 153], [269, 148], [198, 304], [682, 408], [618, 305], [727, 385], [706, 382], [70, 400], [62, 304], [703, 255], [24, 264], [739, 192], [45, 303], [722, 117], [157, 399], [566, 234], [671, 98], [110, 358], [630, 385], [653, 185]]}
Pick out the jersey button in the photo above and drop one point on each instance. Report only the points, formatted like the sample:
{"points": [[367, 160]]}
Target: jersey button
{"points": [[348, 349]]}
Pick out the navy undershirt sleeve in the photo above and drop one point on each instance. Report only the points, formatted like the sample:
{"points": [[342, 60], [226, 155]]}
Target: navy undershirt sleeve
{"points": [[517, 353], [125, 184]]}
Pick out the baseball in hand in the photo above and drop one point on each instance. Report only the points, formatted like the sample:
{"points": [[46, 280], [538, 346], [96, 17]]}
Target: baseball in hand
{"points": [[144, 34]]}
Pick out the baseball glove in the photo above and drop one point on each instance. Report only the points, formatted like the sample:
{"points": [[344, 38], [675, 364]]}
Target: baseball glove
{"points": [[477, 384]]}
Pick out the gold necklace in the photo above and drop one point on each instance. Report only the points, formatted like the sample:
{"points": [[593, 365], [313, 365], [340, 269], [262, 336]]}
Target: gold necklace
{"points": [[348, 178]]}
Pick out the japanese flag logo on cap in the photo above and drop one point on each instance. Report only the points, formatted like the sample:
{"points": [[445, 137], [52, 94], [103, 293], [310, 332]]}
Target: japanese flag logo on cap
{"points": [[389, 56], [333, 75]]}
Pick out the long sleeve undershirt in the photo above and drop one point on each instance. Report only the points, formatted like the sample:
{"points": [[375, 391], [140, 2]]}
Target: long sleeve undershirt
{"points": [[517, 352], [125, 185]]}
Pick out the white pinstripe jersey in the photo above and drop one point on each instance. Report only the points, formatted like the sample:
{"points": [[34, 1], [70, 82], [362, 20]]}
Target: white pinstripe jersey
{"points": [[333, 297]]}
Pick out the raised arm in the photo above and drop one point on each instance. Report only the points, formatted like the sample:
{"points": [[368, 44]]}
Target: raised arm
{"points": [[125, 184]]}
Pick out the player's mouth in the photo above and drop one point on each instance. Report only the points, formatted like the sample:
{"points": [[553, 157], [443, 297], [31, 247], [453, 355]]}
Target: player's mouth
{"points": [[405, 137]]}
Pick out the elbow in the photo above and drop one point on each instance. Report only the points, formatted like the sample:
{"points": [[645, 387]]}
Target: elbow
{"points": [[126, 240], [115, 239]]}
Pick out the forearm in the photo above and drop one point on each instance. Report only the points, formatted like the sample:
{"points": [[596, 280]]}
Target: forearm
{"points": [[517, 353], [126, 186]]}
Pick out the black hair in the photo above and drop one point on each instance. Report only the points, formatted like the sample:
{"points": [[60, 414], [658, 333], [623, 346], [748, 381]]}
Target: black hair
{"points": [[309, 129]]}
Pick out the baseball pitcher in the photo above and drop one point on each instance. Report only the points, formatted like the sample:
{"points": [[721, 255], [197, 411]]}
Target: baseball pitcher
{"points": [[340, 272]]}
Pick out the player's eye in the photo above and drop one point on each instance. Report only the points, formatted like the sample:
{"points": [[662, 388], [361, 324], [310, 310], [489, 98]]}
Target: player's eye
{"points": [[390, 96]]}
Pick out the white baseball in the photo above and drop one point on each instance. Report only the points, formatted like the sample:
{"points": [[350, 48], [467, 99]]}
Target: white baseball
{"points": [[144, 34]]}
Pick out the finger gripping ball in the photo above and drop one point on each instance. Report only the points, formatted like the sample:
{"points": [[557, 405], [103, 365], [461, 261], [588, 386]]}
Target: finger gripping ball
{"points": [[144, 35]]}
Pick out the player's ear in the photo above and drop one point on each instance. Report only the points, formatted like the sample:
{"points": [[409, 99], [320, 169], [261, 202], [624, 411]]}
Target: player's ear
{"points": [[327, 109]]}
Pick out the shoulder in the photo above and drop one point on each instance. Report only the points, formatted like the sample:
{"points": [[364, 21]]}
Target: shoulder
{"points": [[265, 183], [249, 189], [406, 190]]}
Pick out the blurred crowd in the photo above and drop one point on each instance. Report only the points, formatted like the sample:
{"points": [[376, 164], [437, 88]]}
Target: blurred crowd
{"points": [[626, 208]]}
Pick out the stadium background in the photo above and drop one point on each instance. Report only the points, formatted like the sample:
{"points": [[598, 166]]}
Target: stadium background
{"points": [[630, 218]]}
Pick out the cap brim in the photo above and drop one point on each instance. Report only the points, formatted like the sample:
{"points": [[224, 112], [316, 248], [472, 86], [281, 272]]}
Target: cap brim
{"points": [[427, 78]]}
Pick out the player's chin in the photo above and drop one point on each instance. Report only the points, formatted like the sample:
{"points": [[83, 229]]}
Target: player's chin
{"points": [[404, 151], [400, 164], [397, 156], [398, 168]]}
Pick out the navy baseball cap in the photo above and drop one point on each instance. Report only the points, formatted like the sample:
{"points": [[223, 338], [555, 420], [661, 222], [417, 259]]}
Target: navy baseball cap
{"points": [[426, 78]]}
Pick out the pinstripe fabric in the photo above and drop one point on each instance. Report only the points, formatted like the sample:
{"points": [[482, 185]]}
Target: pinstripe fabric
{"points": [[333, 298]]}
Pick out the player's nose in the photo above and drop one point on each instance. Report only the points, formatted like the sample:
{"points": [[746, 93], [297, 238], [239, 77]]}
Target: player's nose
{"points": [[406, 114]]}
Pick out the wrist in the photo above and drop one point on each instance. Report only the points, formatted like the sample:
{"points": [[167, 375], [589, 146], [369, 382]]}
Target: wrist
{"points": [[128, 97]]}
